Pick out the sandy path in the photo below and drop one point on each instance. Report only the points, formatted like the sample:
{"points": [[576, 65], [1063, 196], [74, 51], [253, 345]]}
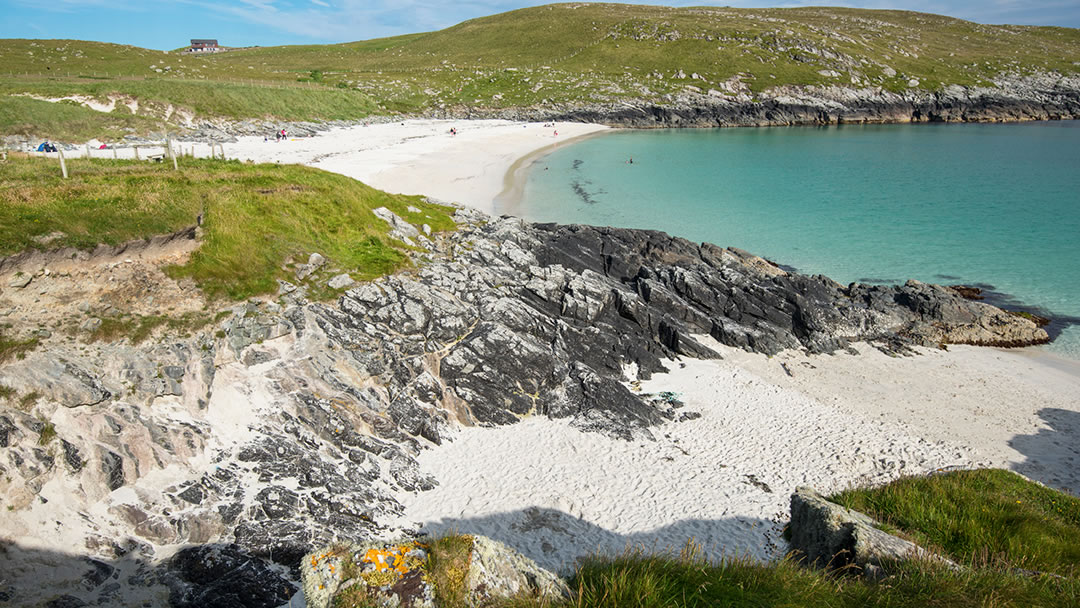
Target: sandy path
{"points": [[725, 479]]}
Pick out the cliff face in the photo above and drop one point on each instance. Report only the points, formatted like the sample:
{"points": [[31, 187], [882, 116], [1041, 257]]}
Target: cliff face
{"points": [[191, 470]]}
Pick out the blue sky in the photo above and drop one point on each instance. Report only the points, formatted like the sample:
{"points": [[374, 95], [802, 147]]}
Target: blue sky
{"points": [[168, 24]]}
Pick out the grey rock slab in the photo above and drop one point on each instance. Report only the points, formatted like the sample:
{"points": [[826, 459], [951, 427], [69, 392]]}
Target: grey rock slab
{"points": [[56, 380], [831, 536], [20, 281], [341, 281]]}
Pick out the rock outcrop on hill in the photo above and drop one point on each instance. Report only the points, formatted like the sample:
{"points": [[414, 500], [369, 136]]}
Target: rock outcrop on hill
{"points": [[142, 473], [1011, 99]]}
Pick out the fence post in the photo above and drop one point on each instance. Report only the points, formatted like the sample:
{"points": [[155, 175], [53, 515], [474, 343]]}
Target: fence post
{"points": [[114, 157], [87, 149], [63, 166], [136, 148]]}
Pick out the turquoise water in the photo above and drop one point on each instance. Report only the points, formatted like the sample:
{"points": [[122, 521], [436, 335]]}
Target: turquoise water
{"points": [[992, 205]]}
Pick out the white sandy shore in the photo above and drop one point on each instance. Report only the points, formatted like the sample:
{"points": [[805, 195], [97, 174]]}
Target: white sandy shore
{"points": [[768, 425], [421, 156]]}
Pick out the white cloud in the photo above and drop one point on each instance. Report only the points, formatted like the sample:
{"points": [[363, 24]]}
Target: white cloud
{"points": [[320, 3]]}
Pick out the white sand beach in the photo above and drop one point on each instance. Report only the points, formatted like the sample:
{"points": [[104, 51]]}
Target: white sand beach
{"points": [[421, 156]]}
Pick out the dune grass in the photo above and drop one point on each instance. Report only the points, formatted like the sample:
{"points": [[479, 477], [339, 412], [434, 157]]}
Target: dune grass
{"points": [[258, 220]]}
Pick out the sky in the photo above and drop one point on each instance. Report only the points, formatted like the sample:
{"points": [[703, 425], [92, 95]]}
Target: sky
{"points": [[170, 24]]}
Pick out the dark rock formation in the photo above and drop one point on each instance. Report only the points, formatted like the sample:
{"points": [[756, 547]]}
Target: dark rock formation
{"points": [[223, 576], [1013, 98]]}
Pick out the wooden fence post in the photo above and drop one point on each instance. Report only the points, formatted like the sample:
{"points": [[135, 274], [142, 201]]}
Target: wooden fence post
{"points": [[114, 157], [87, 149], [136, 148], [63, 166]]}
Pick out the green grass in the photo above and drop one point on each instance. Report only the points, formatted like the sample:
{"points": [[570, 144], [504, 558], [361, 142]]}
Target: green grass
{"points": [[570, 54], [665, 582], [447, 566], [257, 219], [48, 432], [15, 349], [981, 517]]}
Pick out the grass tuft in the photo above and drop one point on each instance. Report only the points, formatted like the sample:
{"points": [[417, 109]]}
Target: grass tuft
{"points": [[15, 349], [448, 565]]}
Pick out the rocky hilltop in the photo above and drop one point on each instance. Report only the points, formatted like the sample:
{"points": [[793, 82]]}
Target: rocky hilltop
{"points": [[1010, 99], [198, 470]]}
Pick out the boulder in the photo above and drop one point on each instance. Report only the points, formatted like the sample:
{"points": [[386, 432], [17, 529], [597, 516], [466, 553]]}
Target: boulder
{"points": [[315, 262], [404, 574], [341, 281], [399, 228], [828, 535]]}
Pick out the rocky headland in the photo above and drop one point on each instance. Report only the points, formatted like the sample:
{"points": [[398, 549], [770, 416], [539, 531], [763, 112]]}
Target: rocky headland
{"points": [[199, 469]]}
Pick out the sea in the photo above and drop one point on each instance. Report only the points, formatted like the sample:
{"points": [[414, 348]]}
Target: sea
{"points": [[995, 206]]}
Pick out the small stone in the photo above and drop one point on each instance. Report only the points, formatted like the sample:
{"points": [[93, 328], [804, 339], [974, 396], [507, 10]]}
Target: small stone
{"points": [[42, 333], [84, 307], [341, 281], [91, 324], [173, 371], [20, 280], [426, 229]]}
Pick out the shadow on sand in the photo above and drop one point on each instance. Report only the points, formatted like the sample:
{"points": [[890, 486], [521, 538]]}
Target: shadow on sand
{"points": [[223, 576], [215, 575], [557, 540], [1053, 454]]}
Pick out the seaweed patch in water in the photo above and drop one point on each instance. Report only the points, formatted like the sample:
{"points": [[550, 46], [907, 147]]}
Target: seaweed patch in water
{"points": [[577, 164], [583, 194]]}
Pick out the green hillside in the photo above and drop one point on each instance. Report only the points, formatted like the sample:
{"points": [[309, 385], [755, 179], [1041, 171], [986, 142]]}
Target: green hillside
{"points": [[549, 55]]}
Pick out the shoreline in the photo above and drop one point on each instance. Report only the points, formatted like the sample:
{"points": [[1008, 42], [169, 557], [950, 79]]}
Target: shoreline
{"points": [[508, 201]]}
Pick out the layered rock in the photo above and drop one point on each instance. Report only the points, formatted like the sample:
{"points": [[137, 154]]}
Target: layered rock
{"points": [[291, 424], [1013, 98]]}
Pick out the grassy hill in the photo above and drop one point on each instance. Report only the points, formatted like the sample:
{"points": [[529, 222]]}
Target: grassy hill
{"points": [[543, 56], [258, 220]]}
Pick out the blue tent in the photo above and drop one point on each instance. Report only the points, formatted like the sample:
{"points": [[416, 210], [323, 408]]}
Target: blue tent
{"points": [[46, 147]]}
